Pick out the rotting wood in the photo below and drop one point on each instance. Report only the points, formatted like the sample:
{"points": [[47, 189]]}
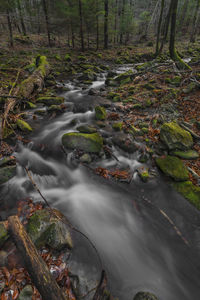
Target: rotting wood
{"points": [[35, 265]]}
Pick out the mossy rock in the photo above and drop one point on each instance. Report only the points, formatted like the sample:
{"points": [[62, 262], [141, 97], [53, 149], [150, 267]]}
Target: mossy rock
{"points": [[137, 106], [145, 296], [117, 126], [86, 158], [23, 126], [87, 142], [190, 154], [189, 191], [172, 166], [51, 100], [175, 137], [3, 235], [100, 113], [26, 293], [44, 228], [30, 105], [125, 142], [40, 112], [144, 174], [6, 173], [54, 108], [86, 129]]}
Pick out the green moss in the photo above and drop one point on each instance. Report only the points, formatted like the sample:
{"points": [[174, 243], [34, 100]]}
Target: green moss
{"points": [[190, 154], [145, 296], [125, 81], [56, 108], [148, 86], [137, 106], [145, 130], [148, 103], [7, 132], [67, 57], [100, 113], [42, 65], [144, 175], [83, 141], [86, 129], [117, 126], [189, 191], [175, 137], [30, 105], [23, 126], [6, 173], [51, 100], [3, 235], [173, 167]]}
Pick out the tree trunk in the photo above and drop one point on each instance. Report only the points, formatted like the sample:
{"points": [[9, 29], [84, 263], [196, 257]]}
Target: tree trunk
{"points": [[35, 265], [159, 26], [97, 25], [195, 23], [47, 21], [21, 17], [172, 50], [10, 28], [122, 22], [106, 24], [166, 27], [183, 13], [81, 26]]}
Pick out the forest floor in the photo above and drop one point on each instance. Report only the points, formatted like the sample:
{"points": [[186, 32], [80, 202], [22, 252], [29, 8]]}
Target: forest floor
{"points": [[156, 94]]}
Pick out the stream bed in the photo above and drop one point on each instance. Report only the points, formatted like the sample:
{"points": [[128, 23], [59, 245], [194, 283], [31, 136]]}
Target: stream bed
{"points": [[138, 245]]}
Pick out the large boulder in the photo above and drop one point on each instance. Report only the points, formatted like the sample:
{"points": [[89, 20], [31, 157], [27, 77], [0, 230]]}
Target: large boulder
{"points": [[87, 142], [47, 227], [172, 166], [174, 137], [145, 296]]}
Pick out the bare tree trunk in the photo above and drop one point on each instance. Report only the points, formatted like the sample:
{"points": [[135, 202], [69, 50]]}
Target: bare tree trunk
{"points": [[47, 21], [21, 17], [97, 25], [106, 24], [81, 26], [172, 50], [159, 26], [115, 27], [10, 28], [122, 20], [183, 13], [195, 23], [166, 27]]}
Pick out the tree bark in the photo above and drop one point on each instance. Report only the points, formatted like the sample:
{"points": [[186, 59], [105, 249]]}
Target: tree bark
{"points": [[97, 25], [10, 29], [21, 17], [81, 26], [195, 23], [172, 50], [166, 27], [106, 24], [47, 21], [35, 265], [159, 26]]}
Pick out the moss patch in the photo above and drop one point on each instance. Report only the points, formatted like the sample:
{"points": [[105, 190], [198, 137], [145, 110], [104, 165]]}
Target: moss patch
{"points": [[51, 100], [3, 235], [117, 126], [87, 142], [23, 126], [172, 166], [189, 191], [100, 113], [7, 173], [190, 154]]}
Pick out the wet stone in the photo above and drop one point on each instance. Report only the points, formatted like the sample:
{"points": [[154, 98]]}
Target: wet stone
{"points": [[145, 296]]}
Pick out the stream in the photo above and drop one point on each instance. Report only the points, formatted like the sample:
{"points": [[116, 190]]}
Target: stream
{"points": [[139, 247]]}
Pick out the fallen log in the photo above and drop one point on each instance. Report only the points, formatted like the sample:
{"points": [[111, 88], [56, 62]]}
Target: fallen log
{"points": [[37, 268]]}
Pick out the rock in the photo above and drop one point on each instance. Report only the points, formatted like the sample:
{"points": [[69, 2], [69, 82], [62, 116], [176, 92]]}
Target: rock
{"points": [[175, 137], [189, 191], [86, 158], [87, 142], [172, 166], [145, 296], [93, 92], [23, 126], [6, 161], [100, 113], [86, 129], [54, 108], [45, 229], [143, 173], [125, 142], [3, 235], [6, 173], [51, 100], [190, 154], [26, 293], [117, 126], [40, 112]]}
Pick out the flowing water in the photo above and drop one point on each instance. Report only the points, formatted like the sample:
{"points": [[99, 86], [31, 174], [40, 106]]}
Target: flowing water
{"points": [[139, 247]]}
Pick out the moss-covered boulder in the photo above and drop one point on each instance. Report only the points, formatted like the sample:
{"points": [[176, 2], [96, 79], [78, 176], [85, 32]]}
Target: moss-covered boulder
{"points": [[175, 137], [87, 142], [100, 113], [54, 108], [86, 129], [26, 293], [45, 228], [3, 235], [190, 154], [117, 126], [6, 173], [23, 126], [145, 296], [189, 191], [172, 166], [51, 100]]}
